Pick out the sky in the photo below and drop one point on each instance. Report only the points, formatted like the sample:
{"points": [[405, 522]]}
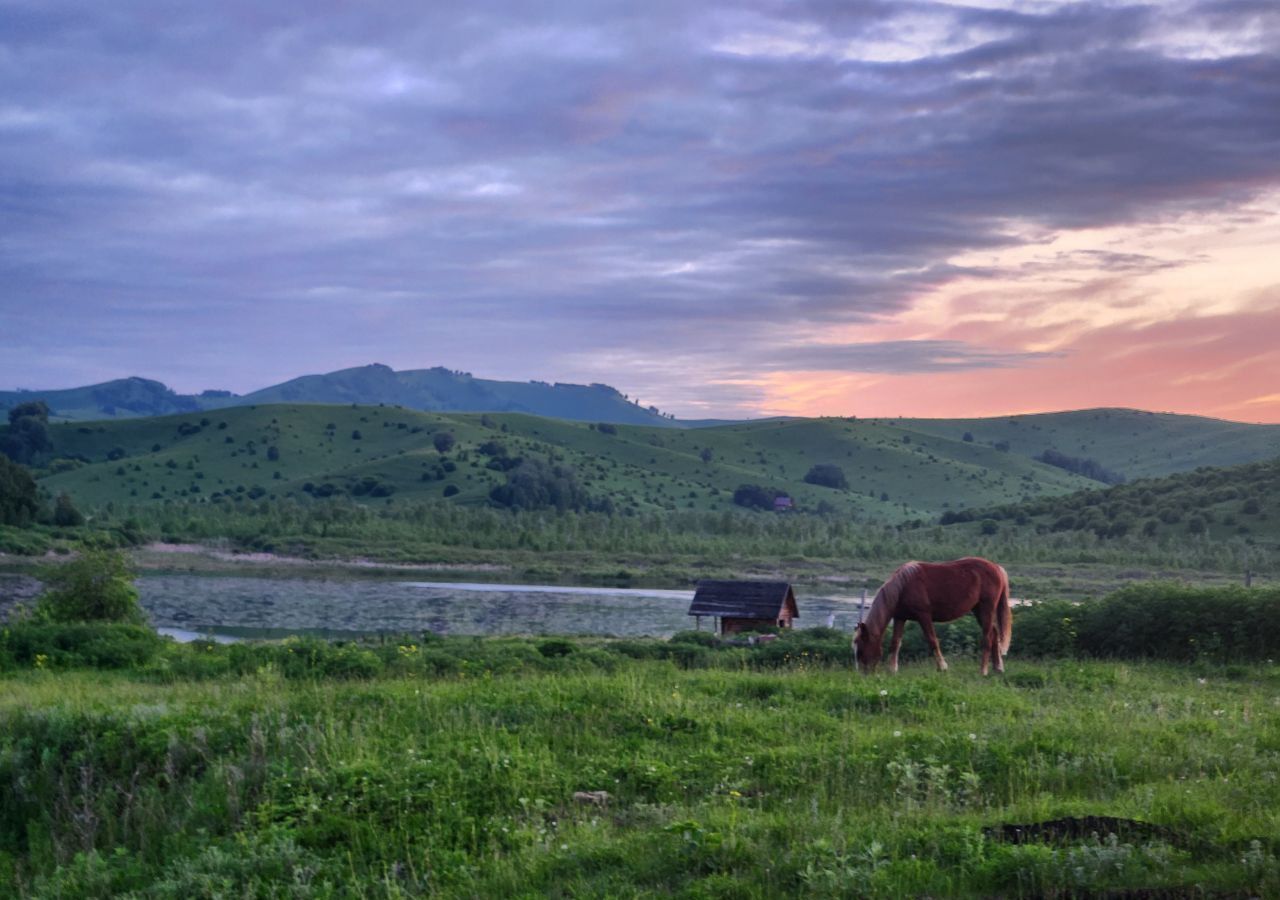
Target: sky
{"points": [[819, 207]]}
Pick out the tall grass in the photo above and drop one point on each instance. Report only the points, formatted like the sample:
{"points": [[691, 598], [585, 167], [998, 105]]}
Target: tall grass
{"points": [[797, 779]]}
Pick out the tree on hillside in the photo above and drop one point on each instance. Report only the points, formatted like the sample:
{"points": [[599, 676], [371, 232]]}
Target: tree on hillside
{"points": [[443, 441], [1089, 468], [97, 586], [753, 496], [827, 475], [26, 440], [65, 514], [19, 498], [535, 484]]}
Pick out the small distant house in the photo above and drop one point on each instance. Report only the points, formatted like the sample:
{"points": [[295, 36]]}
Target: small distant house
{"points": [[783, 503], [736, 606]]}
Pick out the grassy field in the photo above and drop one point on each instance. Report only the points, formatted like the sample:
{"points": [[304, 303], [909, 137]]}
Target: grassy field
{"points": [[456, 777]]}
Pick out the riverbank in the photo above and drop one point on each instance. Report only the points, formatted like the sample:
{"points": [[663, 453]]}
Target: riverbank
{"points": [[1030, 580]]}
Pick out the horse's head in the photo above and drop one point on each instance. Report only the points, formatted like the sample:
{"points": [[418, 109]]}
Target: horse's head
{"points": [[866, 648]]}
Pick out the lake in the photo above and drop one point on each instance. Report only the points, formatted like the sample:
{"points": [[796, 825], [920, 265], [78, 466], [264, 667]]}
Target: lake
{"points": [[188, 605]]}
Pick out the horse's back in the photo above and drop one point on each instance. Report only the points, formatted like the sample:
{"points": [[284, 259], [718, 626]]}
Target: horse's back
{"points": [[955, 588]]}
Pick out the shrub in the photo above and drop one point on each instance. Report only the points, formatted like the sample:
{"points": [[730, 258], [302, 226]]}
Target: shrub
{"points": [[19, 499], [65, 514], [65, 645], [753, 496], [97, 586], [827, 475]]}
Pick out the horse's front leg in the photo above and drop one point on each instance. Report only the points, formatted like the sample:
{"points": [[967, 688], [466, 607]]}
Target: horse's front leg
{"points": [[926, 623], [899, 628]]}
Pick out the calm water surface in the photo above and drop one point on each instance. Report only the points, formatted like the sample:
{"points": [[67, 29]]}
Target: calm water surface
{"points": [[189, 605]]}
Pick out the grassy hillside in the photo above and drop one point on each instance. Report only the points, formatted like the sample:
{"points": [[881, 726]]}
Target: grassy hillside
{"points": [[1240, 503], [1134, 443], [386, 454]]}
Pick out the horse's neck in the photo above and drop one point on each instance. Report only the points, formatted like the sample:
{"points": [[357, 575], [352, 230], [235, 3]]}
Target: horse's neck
{"points": [[881, 612]]}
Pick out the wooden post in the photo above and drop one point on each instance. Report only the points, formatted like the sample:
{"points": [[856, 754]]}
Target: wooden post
{"points": [[1248, 578]]}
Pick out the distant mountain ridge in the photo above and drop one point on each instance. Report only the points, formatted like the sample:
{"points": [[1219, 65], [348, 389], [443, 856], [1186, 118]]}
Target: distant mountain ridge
{"points": [[429, 390]]}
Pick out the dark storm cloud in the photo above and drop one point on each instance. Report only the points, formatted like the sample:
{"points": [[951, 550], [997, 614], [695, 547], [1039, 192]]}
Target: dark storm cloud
{"points": [[514, 189]]}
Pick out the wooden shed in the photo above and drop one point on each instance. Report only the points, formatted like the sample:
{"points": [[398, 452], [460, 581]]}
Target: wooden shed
{"points": [[745, 605]]}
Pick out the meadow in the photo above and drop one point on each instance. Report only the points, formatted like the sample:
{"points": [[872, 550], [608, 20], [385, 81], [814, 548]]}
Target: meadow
{"points": [[448, 767]]}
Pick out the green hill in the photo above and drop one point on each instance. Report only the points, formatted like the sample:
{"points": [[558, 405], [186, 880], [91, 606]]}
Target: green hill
{"points": [[1134, 443], [1236, 502], [386, 454]]}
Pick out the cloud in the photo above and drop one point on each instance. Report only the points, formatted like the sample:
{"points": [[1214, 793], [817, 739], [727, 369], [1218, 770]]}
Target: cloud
{"points": [[527, 190]]}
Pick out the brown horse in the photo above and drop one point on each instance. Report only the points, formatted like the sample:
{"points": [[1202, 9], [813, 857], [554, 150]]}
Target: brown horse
{"points": [[927, 592]]}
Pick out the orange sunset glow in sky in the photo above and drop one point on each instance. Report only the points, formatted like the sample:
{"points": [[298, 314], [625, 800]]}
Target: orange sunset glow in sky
{"points": [[1193, 326]]}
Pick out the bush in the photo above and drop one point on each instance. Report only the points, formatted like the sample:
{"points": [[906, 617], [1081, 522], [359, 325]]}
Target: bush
{"points": [[1156, 621], [97, 586], [827, 475], [753, 496], [65, 514], [96, 645], [19, 499]]}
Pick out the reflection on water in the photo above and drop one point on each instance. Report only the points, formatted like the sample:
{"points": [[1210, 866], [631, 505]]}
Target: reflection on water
{"points": [[275, 607]]}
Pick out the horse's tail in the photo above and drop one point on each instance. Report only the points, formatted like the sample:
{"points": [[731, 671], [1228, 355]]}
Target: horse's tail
{"points": [[1004, 612]]}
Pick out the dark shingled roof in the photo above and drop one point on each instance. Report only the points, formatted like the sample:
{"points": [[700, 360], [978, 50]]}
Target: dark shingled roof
{"points": [[742, 599]]}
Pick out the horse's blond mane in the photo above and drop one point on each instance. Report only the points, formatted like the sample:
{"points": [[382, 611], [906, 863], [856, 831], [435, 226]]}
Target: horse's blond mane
{"points": [[882, 608], [893, 587]]}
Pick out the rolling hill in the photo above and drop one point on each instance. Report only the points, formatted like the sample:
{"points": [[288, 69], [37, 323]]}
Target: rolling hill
{"points": [[1134, 443], [896, 470], [1240, 502], [387, 454]]}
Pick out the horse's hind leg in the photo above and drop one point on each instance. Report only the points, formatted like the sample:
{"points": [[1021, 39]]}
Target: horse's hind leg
{"points": [[989, 643], [990, 640], [926, 623]]}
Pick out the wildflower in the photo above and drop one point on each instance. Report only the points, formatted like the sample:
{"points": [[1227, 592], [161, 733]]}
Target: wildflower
{"points": [[897, 734], [972, 736], [735, 794], [884, 693]]}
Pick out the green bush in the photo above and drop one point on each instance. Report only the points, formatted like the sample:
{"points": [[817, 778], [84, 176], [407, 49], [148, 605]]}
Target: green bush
{"points": [[96, 586], [1156, 621], [70, 645]]}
